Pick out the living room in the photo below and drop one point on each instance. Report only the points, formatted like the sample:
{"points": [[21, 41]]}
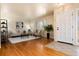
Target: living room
{"points": [[36, 29]]}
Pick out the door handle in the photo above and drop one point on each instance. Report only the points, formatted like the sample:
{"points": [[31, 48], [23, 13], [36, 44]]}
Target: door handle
{"points": [[57, 28]]}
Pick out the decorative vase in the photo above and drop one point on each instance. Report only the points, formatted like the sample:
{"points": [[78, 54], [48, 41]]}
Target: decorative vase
{"points": [[48, 35]]}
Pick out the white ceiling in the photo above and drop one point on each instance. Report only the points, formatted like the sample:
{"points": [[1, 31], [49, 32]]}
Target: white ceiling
{"points": [[28, 10]]}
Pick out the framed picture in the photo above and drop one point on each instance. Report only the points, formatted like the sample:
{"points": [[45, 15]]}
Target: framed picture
{"points": [[19, 25]]}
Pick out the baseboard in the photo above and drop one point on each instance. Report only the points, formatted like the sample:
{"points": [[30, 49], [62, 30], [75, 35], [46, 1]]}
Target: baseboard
{"points": [[65, 42]]}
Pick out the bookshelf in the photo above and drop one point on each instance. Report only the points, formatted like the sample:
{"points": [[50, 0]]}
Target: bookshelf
{"points": [[4, 30]]}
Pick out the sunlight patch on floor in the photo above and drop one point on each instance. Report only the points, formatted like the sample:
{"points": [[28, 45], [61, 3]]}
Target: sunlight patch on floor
{"points": [[21, 39], [64, 48]]}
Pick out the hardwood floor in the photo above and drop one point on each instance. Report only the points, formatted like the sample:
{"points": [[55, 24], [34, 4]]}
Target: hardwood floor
{"points": [[29, 48]]}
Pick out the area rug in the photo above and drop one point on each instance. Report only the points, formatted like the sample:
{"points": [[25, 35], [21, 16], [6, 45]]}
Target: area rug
{"points": [[68, 49], [22, 39]]}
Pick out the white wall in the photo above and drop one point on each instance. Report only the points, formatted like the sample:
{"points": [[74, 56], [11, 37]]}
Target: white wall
{"points": [[16, 13], [50, 20], [12, 16], [8, 15]]}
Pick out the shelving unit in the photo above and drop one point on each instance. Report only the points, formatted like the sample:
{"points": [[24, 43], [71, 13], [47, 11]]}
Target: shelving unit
{"points": [[4, 30]]}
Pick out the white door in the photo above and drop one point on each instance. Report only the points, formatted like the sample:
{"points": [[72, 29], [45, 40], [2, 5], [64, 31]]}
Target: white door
{"points": [[64, 27], [60, 27], [69, 26], [76, 35], [57, 32]]}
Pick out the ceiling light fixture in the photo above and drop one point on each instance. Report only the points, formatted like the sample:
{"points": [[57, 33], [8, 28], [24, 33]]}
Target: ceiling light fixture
{"points": [[59, 4]]}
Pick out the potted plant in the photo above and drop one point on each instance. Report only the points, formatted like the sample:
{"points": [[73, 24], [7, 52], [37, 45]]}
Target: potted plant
{"points": [[48, 28]]}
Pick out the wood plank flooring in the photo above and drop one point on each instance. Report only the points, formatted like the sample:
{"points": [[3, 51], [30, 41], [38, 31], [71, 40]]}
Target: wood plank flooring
{"points": [[29, 48]]}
